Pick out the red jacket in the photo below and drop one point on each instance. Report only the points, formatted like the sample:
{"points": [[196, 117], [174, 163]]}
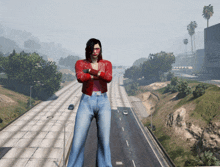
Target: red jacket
{"points": [[105, 77]]}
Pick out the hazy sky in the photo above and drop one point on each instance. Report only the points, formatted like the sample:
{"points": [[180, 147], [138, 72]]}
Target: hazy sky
{"points": [[128, 29]]}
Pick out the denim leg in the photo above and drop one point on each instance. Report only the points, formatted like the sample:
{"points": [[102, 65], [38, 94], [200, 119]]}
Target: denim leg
{"points": [[83, 120], [103, 121]]}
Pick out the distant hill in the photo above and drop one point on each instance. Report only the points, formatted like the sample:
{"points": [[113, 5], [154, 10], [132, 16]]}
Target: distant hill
{"points": [[25, 41], [7, 45]]}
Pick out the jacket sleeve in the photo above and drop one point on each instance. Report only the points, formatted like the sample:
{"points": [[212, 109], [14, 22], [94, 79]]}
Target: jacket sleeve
{"points": [[80, 75], [94, 72], [107, 75]]}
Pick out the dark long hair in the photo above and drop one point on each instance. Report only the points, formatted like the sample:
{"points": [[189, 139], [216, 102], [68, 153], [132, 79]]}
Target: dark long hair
{"points": [[90, 47]]}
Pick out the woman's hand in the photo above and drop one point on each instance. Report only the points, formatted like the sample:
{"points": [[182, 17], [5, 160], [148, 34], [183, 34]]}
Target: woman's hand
{"points": [[86, 70]]}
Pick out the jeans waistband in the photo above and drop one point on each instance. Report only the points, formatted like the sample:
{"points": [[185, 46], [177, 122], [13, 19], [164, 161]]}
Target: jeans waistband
{"points": [[97, 93]]}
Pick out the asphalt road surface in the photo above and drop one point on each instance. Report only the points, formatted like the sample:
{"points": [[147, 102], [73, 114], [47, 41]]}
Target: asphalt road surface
{"points": [[129, 147]]}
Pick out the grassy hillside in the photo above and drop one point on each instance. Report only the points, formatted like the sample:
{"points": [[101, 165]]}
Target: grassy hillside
{"points": [[200, 112], [12, 104]]}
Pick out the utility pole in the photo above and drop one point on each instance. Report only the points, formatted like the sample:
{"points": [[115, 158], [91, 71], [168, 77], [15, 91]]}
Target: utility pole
{"points": [[64, 164], [151, 117], [30, 95]]}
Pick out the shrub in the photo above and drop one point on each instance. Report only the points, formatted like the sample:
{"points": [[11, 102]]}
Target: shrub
{"points": [[132, 88], [167, 88], [200, 90], [206, 159], [183, 89], [174, 81], [172, 87], [1, 120]]}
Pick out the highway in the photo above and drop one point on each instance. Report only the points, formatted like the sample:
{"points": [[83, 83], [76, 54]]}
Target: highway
{"points": [[37, 137], [129, 146]]}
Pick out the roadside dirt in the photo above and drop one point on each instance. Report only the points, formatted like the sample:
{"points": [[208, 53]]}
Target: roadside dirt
{"points": [[177, 126], [6, 99], [148, 99], [155, 86]]}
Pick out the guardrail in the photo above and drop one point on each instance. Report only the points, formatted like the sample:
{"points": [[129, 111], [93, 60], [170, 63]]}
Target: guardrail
{"points": [[19, 116], [161, 147], [168, 159]]}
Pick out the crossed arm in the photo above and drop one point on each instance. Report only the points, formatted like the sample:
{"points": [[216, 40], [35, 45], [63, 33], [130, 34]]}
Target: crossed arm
{"points": [[87, 74], [93, 73]]}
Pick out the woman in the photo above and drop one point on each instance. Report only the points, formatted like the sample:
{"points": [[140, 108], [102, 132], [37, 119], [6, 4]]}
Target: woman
{"points": [[94, 73]]}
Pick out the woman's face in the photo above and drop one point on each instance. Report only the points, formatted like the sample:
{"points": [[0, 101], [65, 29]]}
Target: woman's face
{"points": [[96, 51]]}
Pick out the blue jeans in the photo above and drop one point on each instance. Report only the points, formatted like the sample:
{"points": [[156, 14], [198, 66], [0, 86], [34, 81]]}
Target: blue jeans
{"points": [[97, 106]]}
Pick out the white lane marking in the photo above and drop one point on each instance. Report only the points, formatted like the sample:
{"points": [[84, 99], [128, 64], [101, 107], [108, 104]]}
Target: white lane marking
{"points": [[133, 163], [127, 143], [119, 163], [126, 96], [120, 119], [123, 129]]}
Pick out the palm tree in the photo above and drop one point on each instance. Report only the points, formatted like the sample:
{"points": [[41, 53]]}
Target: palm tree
{"points": [[207, 13], [195, 26], [191, 30], [185, 41]]}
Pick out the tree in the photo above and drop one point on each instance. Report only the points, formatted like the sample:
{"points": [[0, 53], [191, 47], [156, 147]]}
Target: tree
{"points": [[191, 30], [157, 65], [31, 69], [185, 41], [21, 67], [49, 77], [2, 58], [207, 13], [10, 65], [69, 61], [133, 73]]}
